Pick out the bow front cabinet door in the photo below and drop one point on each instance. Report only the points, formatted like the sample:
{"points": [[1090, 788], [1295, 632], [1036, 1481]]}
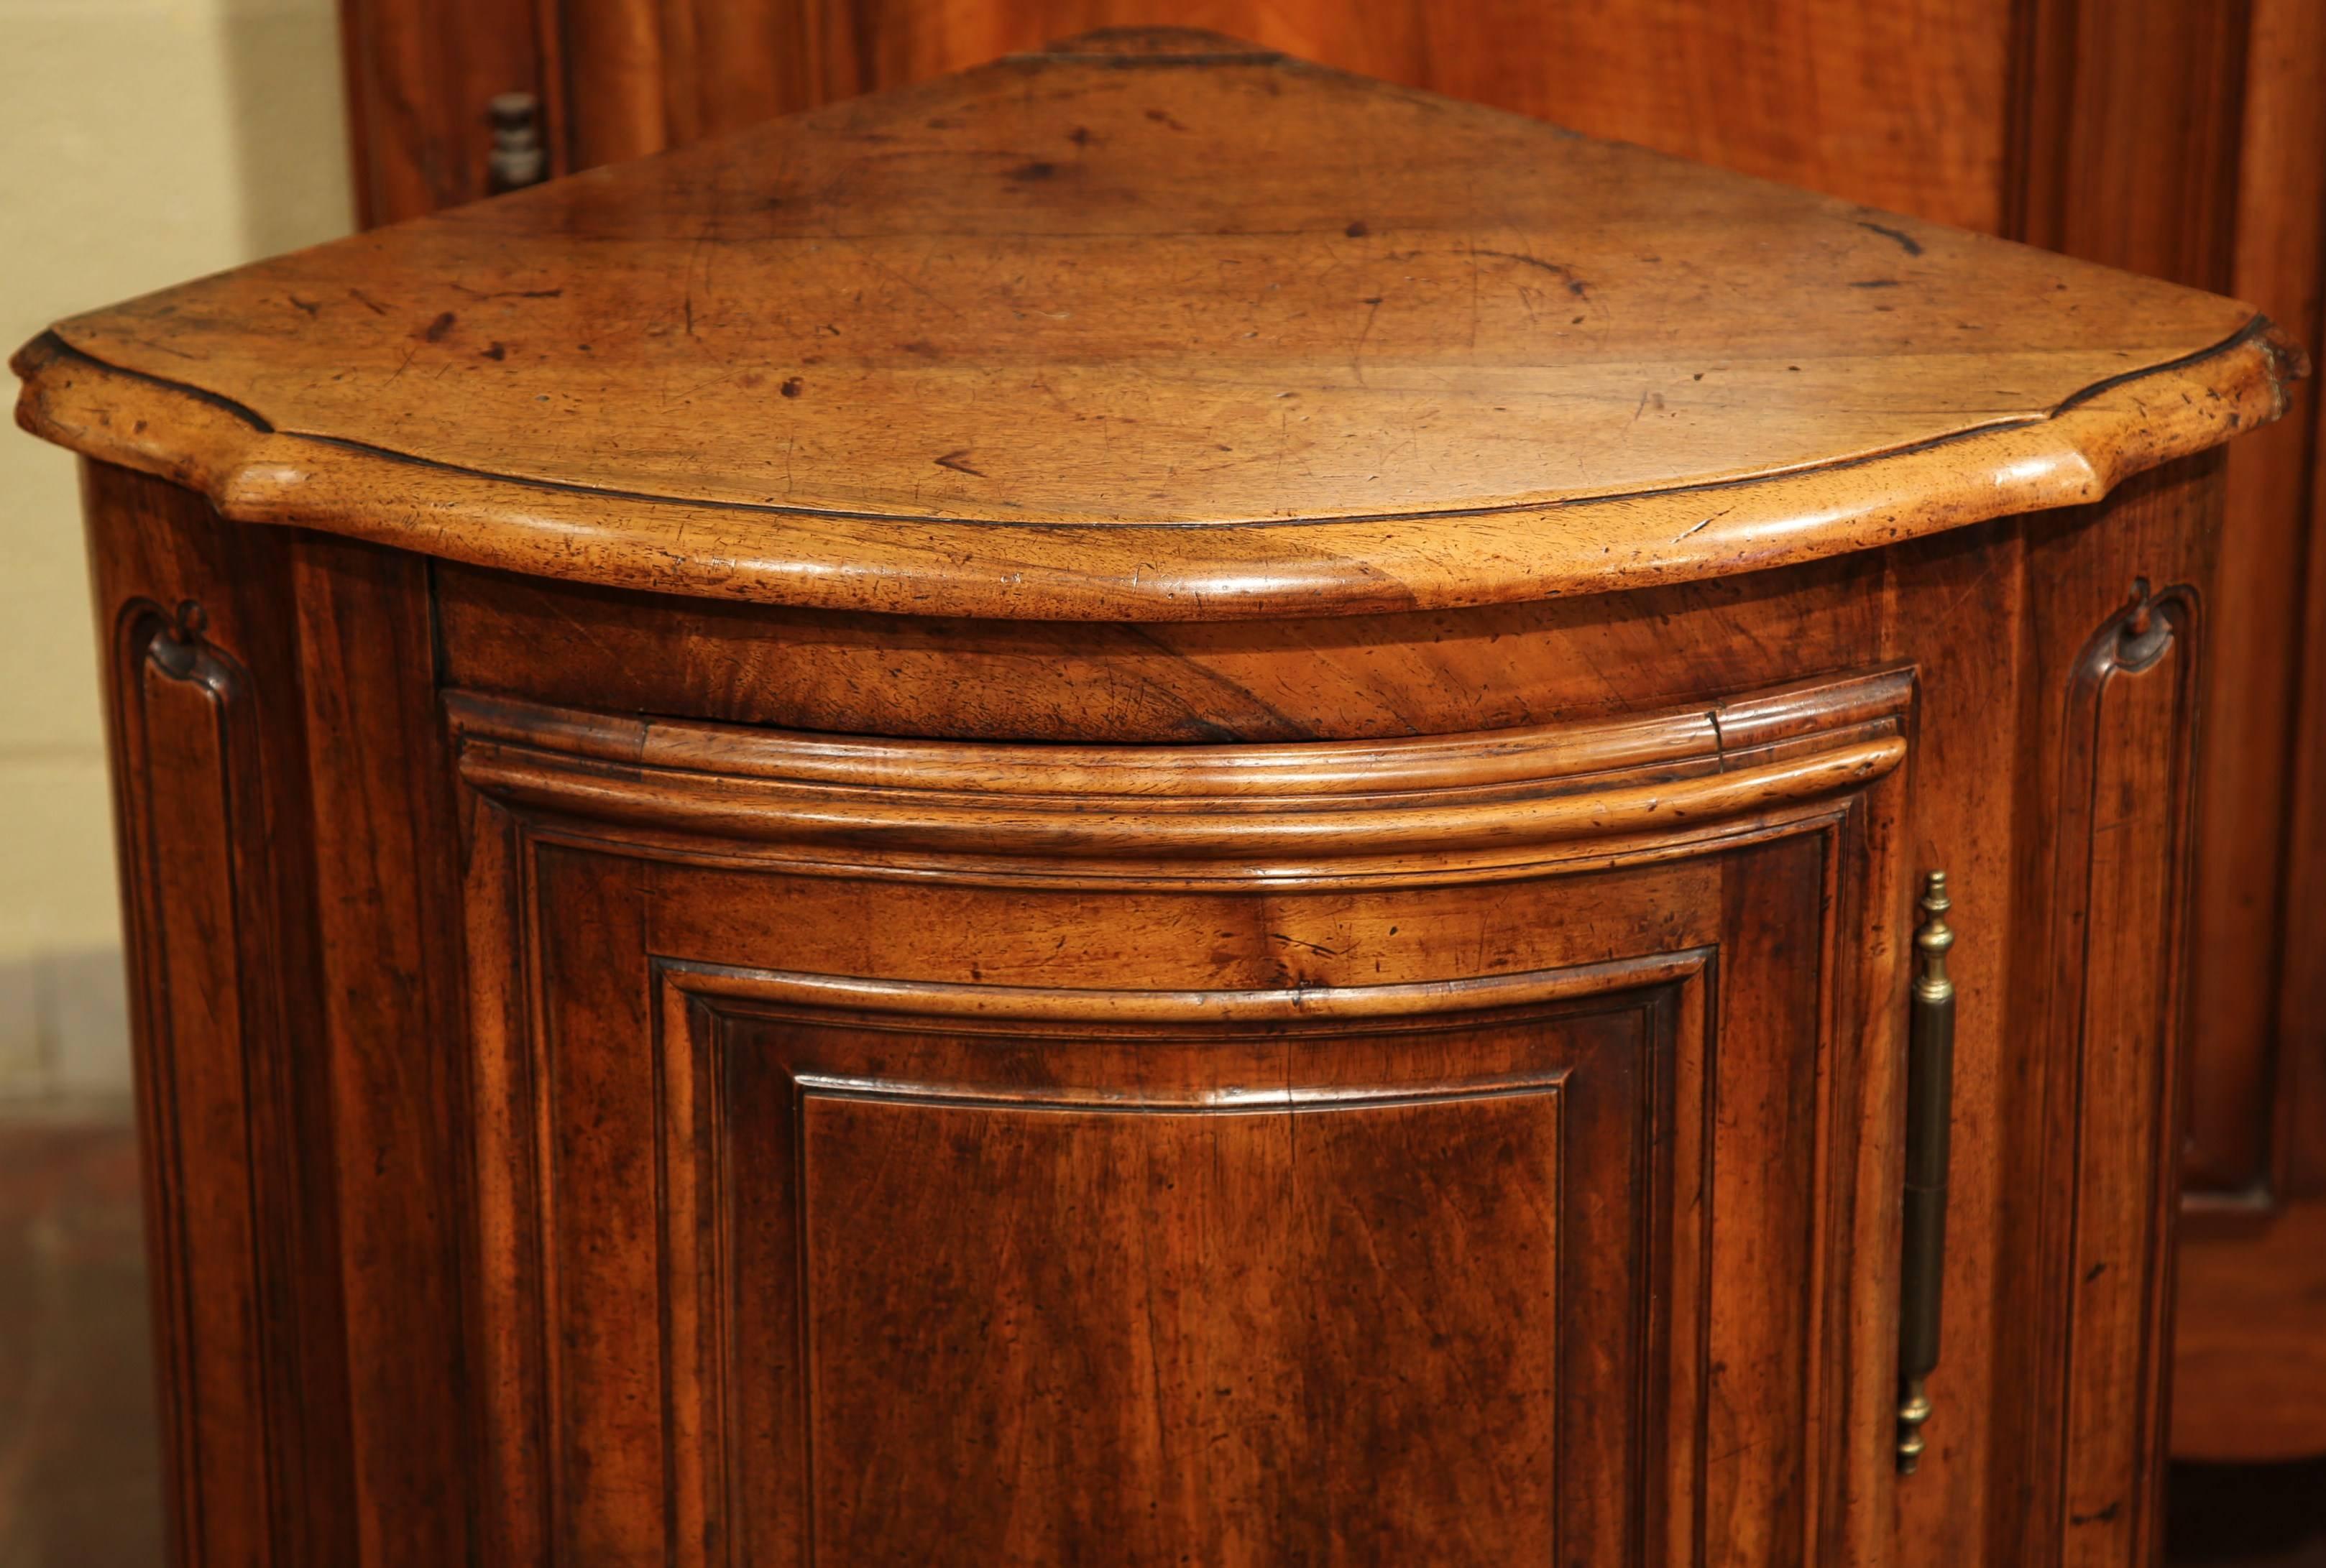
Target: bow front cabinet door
{"points": [[940, 1149]]}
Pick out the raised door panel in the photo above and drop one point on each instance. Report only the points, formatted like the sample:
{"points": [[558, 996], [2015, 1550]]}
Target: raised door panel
{"points": [[1270, 1295], [1485, 1188]]}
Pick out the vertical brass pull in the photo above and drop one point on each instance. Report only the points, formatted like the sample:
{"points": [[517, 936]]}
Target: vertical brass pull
{"points": [[1930, 1113]]}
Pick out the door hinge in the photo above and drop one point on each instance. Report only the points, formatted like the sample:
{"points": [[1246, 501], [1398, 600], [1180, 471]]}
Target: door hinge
{"points": [[1929, 1116]]}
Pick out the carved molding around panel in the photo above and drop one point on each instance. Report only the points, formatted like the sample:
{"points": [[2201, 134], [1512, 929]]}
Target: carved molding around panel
{"points": [[1627, 785]]}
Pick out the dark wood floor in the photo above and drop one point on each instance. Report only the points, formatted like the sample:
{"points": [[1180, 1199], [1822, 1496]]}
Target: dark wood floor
{"points": [[80, 1463], [2248, 1517], [79, 1484]]}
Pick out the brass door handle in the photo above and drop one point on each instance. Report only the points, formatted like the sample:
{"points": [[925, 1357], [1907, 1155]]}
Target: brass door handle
{"points": [[1930, 1113]]}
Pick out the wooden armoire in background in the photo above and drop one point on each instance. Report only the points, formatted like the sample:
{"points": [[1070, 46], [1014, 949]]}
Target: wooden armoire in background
{"points": [[2185, 141]]}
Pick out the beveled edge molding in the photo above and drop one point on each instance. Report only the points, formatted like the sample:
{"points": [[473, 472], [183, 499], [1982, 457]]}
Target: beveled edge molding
{"points": [[947, 1004], [2072, 454], [1486, 797]]}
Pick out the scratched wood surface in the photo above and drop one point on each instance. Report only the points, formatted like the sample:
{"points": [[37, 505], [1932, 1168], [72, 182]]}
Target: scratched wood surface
{"points": [[1010, 344]]}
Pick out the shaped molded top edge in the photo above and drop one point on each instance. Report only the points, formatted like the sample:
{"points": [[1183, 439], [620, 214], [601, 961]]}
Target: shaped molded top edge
{"points": [[1058, 340]]}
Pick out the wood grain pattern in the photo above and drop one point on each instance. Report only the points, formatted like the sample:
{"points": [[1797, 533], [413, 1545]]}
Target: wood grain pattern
{"points": [[389, 947], [2259, 1285], [2248, 1381], [1108, 571], [187, 709], [2086, 180], [1250, 1372], [2238, 206], [1303, 678], [2255, 799], [2104, 881], [567, 759], [2234, 204]]}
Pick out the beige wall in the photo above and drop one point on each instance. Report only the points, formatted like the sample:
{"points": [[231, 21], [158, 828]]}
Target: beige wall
{"points": [[142, 142]]}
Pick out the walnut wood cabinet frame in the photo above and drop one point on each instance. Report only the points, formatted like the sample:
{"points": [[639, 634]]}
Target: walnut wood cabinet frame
{"points": [[490, 968]]}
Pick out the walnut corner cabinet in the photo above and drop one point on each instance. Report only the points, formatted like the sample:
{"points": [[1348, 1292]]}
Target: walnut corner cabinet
{"points": [[1156, 807]]}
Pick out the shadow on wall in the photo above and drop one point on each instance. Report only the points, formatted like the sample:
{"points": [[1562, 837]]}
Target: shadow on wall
{"points": [[146, 142], [64, 1026], [288, 118]]}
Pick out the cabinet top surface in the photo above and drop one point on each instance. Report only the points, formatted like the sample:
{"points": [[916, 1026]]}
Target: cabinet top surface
{"points": [[1153, 325]]}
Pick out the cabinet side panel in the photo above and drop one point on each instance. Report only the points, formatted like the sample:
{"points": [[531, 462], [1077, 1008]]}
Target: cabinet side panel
{"points": [[2105, 827], [210, 797], [2122, 853], [181, 710]]}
